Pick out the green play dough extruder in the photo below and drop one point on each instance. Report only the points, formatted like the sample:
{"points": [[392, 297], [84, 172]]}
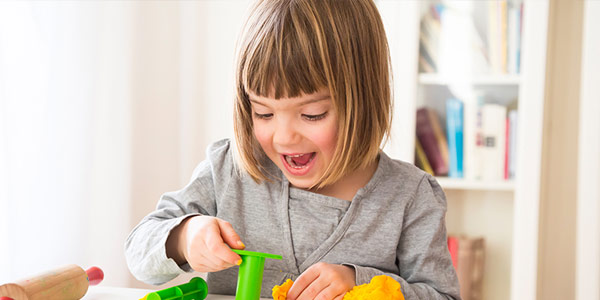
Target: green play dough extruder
{"points": [[248, 285], [251, 274]]}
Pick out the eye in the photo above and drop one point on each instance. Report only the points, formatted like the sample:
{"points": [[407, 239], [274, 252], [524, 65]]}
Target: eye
{"points": [[262, 116], [315, 117]]}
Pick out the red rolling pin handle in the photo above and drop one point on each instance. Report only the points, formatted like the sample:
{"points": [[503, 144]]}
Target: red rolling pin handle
{"points": [[95, 276]]}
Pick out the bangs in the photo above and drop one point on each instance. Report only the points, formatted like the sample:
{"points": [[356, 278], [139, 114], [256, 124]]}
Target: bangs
{"points": [[283, 58], [294, 47]]}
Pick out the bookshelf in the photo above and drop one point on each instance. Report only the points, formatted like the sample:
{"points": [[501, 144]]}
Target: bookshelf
{"points": [[476, 185], [504, 212], [486, 80]]}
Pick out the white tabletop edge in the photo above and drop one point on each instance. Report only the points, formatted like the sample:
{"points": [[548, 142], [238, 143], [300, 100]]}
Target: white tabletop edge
{"points": [[119, 293]]}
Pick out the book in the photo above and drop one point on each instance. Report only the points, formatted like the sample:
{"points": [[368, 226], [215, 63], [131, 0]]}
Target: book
{"points": [[493, 43], [506, 149], [472, 163], [424, 66], [514, 37], [421, 159], [453, 248], [433, 140], [512, 143], [520, 32], [470, 262], [426, 63], [503, 38], [493, 134], [429, 40], [440, 137], [497, 35], [454, 129]]}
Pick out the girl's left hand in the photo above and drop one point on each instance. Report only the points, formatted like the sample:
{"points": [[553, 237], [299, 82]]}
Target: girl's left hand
{"points": [[323, 281]]}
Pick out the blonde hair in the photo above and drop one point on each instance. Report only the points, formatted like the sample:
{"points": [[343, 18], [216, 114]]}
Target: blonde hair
{"points": [[294, 47]]}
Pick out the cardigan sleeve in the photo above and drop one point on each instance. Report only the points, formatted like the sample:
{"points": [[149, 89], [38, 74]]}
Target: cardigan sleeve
{"points": [[426, 270], [145, 248]]}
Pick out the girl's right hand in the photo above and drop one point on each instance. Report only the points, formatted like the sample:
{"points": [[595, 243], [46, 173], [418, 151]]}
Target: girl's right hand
{"points": [[205, 242]]}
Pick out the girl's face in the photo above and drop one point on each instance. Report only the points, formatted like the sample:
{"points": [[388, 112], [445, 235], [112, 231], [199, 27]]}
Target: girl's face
{"points": [[297, 134]]}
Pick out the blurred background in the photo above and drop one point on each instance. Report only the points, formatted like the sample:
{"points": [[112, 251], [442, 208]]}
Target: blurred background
{"points": [[106, 105]]}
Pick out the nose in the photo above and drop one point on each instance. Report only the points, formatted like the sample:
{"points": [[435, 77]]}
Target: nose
{"points": [[286, 133]]}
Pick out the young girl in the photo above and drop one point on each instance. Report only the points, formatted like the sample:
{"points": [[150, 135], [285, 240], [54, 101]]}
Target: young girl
{"points": [[305, 177]]}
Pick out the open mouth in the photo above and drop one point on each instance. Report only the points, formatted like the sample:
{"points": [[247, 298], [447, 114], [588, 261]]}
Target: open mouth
{"points": [[299, 161]]}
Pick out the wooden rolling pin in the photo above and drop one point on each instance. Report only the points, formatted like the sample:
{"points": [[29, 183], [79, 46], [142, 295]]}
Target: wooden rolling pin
{"points": [[67, 283]]}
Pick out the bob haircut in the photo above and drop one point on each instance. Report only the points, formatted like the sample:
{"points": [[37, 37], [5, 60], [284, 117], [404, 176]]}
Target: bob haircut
{"points": [[294, 47]]}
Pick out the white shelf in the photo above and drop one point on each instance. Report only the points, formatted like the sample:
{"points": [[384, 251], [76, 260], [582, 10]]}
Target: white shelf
{"points": [[495, 80], [506, 213], [475, 185]]}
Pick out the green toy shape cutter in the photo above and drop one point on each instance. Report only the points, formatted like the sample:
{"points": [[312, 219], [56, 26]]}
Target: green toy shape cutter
{"points": [[196, 289], [249, 282], [251, 274]]}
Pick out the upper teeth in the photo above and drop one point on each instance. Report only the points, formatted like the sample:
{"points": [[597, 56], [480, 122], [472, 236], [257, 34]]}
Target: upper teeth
{"points": [[297, 155]]}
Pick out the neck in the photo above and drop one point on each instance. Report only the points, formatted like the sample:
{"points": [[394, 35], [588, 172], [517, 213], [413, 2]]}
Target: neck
{"points": [[347, 186]]}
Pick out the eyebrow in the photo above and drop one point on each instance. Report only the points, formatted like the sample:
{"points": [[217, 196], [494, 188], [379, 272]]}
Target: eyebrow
{"points": [[309, 101]]}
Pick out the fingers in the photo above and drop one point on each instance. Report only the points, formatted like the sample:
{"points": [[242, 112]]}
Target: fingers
{"points": [[318, 290], [217, 248], [322, 281], [229, 235], [210, 265], [327, 294], [202, 260], [302, 283], [207, 250]]}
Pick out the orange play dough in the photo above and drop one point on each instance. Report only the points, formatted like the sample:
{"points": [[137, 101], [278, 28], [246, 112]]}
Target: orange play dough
{"points": [[381, 287], [280, 291]]}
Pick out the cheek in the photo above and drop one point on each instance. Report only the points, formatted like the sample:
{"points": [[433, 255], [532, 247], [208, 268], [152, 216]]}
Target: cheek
{"points": [[326, 138], [262, 136]]}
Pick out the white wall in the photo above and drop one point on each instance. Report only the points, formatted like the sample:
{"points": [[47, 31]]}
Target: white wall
{"points": [[183, 93], [588, 200], [64, 138], [104, 106], [401, 22]]}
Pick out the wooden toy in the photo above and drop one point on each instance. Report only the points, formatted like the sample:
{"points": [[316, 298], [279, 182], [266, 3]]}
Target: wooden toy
{"points": [[66, 283]]}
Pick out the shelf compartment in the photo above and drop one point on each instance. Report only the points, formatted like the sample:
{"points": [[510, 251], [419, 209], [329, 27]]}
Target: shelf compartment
{"points": [[477, 185], [490, 80]]}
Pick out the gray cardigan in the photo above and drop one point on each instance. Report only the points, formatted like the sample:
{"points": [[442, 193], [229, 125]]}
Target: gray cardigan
{"points": [[395, 225]]}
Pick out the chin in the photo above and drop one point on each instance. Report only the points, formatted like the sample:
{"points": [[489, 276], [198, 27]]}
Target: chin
{"points": [[302, 184]]}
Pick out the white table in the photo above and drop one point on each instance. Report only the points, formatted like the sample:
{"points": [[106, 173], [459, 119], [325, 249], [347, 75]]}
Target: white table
{"points": [[115, 293]]}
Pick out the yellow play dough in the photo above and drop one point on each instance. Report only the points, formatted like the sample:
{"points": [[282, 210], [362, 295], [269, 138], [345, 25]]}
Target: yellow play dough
{"points": [[280, 291], [381, 287]]}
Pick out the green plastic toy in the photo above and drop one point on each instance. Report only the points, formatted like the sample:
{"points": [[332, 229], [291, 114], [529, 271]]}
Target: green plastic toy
{"points": [[248, 287], [251, 274], [196, 289]]}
